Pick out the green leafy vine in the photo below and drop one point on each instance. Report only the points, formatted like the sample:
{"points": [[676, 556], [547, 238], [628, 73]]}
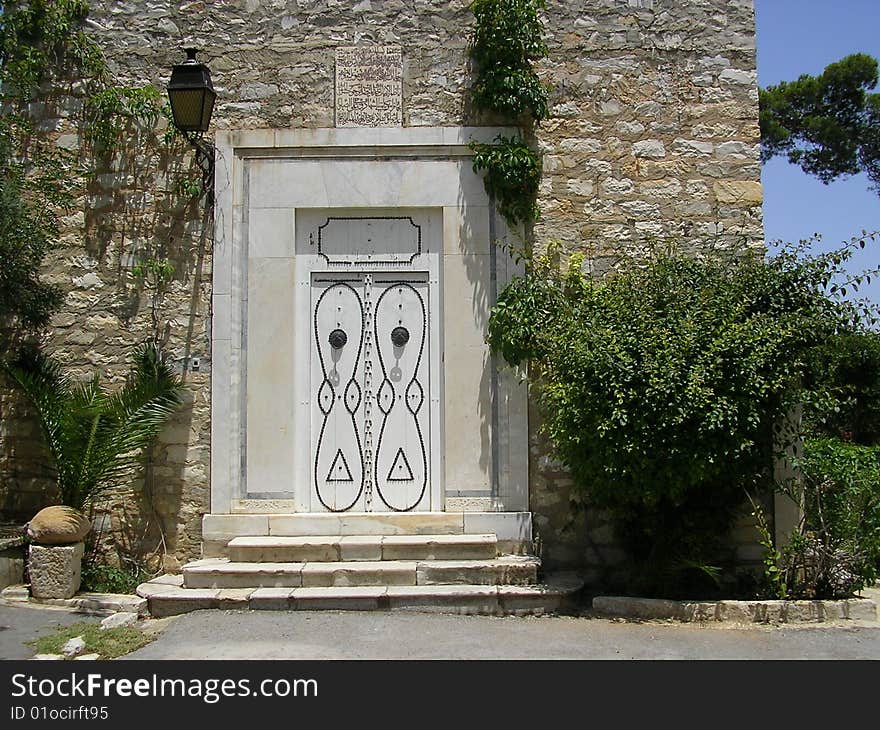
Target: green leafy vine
{"points": [[507, 39], [512, 175]]}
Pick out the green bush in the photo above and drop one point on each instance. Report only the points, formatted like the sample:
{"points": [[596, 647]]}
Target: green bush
{"points": [[660, 387], [849, 365], [835, 551], [100, 578]]}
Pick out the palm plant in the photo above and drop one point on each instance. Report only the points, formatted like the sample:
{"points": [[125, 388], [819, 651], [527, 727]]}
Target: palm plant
{"points": [[95, 437]]}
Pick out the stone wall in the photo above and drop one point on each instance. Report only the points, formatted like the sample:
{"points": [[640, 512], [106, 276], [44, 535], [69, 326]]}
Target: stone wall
{"points": [[653, 134]]}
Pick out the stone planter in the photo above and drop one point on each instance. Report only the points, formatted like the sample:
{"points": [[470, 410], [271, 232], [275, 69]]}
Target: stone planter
{"points": [[55, 570]]}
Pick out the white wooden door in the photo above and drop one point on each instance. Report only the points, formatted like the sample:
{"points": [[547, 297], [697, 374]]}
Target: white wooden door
{"points": [[370, 392]]}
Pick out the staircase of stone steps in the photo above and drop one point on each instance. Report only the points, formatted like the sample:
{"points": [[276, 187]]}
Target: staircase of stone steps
{"points": [[457, 573]]}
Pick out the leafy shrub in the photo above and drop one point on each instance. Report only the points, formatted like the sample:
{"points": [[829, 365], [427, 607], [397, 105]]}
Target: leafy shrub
{"points": [[849, 366], [100, 578], [660, 387], [835, 551]]}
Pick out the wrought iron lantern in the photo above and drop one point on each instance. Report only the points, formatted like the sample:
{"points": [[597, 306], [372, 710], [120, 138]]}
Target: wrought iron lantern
{"points": [[191, 94], [192, 97]]}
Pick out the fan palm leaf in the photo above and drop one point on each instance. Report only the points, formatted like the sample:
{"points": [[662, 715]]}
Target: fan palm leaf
{"points": [[95, 437]]}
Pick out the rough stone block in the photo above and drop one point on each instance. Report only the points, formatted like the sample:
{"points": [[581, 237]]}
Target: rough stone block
{"points": [[55, 570], [271, 599], [355, 598], [360, 547], [361, 573], [243, 575], [182, 600], [119, 620], [283, 549], [738, 191], [438, 547], [235, 599], [444, 599], [861, 609]]}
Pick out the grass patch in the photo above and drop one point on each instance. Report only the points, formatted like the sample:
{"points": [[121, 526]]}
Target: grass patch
{"points": [[109, 643]]}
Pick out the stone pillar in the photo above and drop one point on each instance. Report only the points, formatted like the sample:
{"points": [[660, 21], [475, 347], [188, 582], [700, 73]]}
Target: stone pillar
{"points": [[55, 570], [788, 499]]}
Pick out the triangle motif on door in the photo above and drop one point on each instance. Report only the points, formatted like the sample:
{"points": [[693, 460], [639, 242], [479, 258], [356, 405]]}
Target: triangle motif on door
{"points": [[400, 470], [339, 471]]}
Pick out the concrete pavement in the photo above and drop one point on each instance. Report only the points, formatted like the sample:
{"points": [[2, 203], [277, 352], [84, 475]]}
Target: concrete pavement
{"points": [[384, 635], [387, 635], [19, 624]]}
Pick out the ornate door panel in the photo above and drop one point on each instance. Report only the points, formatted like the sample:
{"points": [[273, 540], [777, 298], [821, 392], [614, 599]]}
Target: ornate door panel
{"points": [[370, 392], [338, 398], [401, 464]]}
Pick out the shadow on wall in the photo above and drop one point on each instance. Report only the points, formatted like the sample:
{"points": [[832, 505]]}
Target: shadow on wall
{"points": [[134, 259], [28, 482]]}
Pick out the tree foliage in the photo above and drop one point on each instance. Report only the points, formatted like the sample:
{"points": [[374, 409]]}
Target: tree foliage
{"points": [[828, 124], [835, 550]]}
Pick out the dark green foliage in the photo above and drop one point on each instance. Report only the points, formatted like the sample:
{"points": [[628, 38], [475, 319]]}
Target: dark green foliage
{"points": [[836, 550], [660, 386], [512, 175], [507, 38], [96, 437], [828, 124], [849, 366], [101, 578], [39, 39], [27, 230]]}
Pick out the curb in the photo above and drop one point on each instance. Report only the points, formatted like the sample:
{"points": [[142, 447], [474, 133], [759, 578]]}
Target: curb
{"points": [[97, 603], [737, 612]]}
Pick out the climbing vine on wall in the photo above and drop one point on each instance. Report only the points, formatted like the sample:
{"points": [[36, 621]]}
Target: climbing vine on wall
{"points": [[47, 59], [38, 41], [506, 41], [512, 174]]}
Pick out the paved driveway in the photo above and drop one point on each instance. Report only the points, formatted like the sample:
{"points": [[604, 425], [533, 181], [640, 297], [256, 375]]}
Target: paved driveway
{"points": [[384, 635], [19, 624]]}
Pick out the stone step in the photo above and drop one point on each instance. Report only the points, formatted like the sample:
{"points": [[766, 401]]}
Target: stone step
{"points": [[513, 529], [558, 594], [302, 549], [220, 573]]}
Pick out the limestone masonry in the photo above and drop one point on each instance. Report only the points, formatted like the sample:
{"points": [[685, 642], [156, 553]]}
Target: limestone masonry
{"points": [[653, 133]]}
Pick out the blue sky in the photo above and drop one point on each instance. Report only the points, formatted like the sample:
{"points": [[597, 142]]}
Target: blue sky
{"points": [[804, 36]]}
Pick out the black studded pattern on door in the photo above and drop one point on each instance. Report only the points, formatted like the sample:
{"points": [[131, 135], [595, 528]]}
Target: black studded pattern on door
{"points": [[370, 414]]}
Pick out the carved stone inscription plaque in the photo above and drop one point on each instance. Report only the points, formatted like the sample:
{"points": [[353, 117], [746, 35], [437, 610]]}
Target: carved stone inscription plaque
{"points": [[369, 86]]}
